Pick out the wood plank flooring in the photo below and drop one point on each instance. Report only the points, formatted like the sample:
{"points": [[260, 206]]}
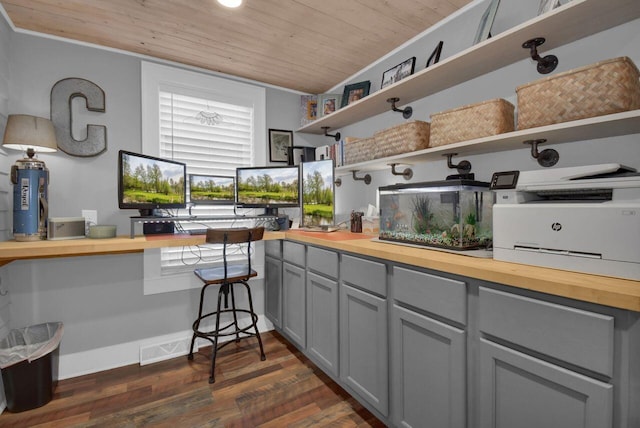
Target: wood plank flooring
{"points": [[286, 390]]}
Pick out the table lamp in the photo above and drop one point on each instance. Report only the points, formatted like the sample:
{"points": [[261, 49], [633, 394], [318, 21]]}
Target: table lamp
{"points": [[29, 176]]}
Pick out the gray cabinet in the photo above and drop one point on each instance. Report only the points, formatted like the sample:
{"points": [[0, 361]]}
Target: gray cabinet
{"points": [[363, 331], [428, 355], [273, 290], [518, 390], [322, 322], [322, 308], [294, 296], [530, 356], [294, 304]]}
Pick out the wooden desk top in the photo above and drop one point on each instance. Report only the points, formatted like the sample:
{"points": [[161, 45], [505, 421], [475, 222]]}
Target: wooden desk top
{"points": [[619, 293]]}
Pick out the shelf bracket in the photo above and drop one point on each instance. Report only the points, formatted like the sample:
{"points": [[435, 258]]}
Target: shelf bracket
{"points": [[545, 158], [407, 173], [366, 178], [406, 112], [545, 65], [463, 166], [335, 136]]}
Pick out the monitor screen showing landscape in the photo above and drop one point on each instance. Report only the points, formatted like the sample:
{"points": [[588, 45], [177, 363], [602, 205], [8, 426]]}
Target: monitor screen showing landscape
{"points": [[317, 193], [211, 189], [147, 183], [268, 186]]}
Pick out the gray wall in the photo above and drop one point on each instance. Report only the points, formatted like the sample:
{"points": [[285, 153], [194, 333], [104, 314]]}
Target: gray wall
{"points": [[99, 298]]}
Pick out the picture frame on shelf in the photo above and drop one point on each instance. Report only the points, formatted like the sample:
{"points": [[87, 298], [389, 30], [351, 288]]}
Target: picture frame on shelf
{"points": [[548, 5], [355, 92], [279, 142], [399, 72], [435, 55], [308, 109], [486, 22], [328, 103]]}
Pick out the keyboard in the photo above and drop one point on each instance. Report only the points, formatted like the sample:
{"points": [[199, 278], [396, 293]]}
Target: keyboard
{"points": [[197, 231]]}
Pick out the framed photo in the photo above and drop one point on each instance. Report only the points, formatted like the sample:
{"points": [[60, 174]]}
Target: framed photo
{"points": [[279, 143], [486, 22], [399, 72], [354, 92], [435, 56], [547, 5], [308, 109], [328, 103]]}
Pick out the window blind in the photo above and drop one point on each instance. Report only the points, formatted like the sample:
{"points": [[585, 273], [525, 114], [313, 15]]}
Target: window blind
{"points": [[212, 137]]}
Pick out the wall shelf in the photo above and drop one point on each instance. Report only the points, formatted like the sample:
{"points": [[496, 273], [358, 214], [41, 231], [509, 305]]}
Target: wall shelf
{"points": [[568, 23], [612, 125]]}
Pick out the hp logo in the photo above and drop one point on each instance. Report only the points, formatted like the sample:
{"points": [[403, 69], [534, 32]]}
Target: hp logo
{"points": [[556, 227]]}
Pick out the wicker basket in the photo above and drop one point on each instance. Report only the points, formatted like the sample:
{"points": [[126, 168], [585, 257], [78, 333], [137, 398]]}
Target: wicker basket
{"points": [[358, 149], [403, 138], [605, 87], [471, 121]]}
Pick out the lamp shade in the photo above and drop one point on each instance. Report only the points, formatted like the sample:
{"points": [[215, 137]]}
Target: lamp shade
{"points": [[25, 132]]}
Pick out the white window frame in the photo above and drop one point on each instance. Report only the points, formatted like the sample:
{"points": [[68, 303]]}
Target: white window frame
{"points": [[153, 77]]}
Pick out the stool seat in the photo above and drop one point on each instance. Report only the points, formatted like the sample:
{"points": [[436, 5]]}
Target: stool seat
{"points": [[227, 276], [216, 275]]}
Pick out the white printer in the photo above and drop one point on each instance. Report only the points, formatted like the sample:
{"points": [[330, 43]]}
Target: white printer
{"points": [[584, 219]]}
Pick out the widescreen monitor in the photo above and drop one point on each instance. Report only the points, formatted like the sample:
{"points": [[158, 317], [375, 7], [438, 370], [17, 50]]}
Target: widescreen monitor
{"points": [[211, 189], [147, 183], [269, 187]]}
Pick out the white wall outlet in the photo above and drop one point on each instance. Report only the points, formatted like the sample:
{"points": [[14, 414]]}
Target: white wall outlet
{"points": [[90, 219]]}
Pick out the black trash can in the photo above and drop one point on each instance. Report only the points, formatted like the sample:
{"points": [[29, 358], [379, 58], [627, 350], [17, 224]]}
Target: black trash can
{"points": [[29, 365]]}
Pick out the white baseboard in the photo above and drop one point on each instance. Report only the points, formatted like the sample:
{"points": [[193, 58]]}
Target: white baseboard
{"points": [[151, 350]]}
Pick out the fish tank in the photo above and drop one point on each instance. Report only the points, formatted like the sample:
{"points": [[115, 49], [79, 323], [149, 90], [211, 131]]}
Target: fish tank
{"points": [[451, 214]]}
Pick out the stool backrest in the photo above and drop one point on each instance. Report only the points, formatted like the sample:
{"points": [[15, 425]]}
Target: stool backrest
{"points": [[237, 235]]}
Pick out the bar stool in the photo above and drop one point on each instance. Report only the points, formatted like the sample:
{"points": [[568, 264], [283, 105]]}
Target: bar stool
{"points": [[227, 276]]}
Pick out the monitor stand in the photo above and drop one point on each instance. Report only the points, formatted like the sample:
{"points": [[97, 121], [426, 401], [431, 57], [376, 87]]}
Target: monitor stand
{"points": [[271, 211]]}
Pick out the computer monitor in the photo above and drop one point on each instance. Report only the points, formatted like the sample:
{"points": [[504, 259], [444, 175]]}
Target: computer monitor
{"points": [[318, 196], [147, 183], [211, 189], [269, 187]]}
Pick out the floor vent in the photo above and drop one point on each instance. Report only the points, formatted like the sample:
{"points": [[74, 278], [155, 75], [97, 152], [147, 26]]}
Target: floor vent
{"points": [[164, 351]]}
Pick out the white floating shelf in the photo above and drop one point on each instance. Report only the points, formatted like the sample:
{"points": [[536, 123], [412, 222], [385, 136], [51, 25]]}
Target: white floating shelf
{"points": [[573, 21]]}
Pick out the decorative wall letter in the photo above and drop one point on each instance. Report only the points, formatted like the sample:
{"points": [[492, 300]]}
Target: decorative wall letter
{"points": [[62, 94]]}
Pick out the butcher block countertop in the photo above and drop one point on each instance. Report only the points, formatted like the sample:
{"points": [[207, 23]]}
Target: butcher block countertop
{"points": [[608, 291]]}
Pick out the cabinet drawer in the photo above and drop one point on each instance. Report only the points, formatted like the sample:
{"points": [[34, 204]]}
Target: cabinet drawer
{"points": [[293, 252], [324, 262], [572, 335], [440, 296], [273, 248], [364, 274]]}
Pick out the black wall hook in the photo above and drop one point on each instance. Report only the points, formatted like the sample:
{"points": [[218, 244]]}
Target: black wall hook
{"points": [[407, 173], [335, 136], [463, 167], [545, 65], [406, 112], [547, 157], [366, 178]]}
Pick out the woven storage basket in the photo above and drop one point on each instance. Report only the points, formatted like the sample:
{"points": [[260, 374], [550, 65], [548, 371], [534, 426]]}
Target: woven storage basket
{"points": [[358, 149], [403, 138], [605, 87], [471, 121]]}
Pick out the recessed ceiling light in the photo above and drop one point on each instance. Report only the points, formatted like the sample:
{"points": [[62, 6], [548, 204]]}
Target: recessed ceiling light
{"points": [[230, 3]]}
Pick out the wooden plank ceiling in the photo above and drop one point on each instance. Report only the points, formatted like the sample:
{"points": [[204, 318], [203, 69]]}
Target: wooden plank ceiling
{"points": [[305, 45]]}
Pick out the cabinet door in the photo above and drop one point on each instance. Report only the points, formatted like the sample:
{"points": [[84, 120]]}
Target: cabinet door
{"points": [[294, 301], [322, 321], [517, 390], [273, 290], [363, 346], [429, 367]]}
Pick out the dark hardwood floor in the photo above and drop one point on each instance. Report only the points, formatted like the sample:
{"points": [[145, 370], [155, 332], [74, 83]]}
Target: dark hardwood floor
{"points": [[286, 390]]}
